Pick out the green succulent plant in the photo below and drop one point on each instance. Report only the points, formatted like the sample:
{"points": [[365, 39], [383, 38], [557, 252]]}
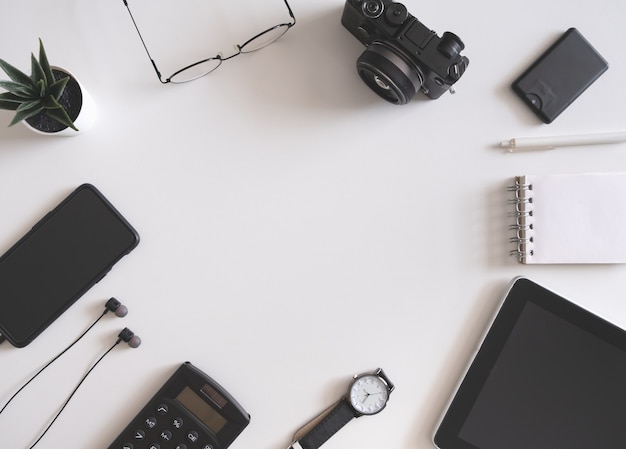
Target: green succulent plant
{"points": [[31, 95]]}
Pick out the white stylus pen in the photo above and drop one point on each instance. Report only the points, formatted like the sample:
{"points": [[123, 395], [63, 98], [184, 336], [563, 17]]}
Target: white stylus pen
{"points": [[562, 141]]}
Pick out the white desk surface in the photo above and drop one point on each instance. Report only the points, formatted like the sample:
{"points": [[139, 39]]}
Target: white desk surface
{"points": [[295, 228]]}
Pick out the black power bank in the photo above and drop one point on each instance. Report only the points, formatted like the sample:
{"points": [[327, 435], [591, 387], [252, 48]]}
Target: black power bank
{"points": [[563, 72]]}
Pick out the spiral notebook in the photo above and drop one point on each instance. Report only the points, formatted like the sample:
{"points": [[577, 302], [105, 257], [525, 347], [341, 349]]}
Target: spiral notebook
{"points": [[569, 219]]}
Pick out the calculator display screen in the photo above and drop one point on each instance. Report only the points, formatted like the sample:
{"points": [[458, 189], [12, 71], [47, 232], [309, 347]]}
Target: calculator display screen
{"points": [[201, 410]]}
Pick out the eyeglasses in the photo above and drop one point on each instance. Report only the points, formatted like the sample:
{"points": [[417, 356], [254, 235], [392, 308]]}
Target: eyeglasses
{"points": [[206, 66]]}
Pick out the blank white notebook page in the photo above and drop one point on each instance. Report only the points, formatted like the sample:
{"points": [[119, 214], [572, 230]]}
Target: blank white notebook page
{"points": [[578, 218]]}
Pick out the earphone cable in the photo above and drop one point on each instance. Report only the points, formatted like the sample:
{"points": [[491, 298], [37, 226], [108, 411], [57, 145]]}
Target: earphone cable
{"points": [[74, 392], [51, 362]]}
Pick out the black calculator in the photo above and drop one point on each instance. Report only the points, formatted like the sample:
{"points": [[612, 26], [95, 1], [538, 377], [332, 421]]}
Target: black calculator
{"points": [[190, 411]]}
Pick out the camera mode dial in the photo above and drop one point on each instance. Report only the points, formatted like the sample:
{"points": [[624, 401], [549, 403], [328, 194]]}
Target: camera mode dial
{"points": [[396, 14]]}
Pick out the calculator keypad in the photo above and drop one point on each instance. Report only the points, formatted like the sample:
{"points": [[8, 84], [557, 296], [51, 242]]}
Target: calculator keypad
{"points": [[165, 430]]}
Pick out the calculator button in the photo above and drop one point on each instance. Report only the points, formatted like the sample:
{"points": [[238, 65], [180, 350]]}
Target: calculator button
{"points": [[127, 446], [207, 446], [192, 436], [154, 446], [166, 435], [162, 409], [181, 446], [177, 423], [139, 435], [150, 423]]}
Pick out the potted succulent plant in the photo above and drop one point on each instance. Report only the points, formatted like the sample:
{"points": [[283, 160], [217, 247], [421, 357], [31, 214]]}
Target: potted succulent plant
{"points": [[50, 101]]}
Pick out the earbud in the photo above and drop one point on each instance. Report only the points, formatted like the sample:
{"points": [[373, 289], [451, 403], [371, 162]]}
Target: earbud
{"points": [[113, 305], [129, 337]]}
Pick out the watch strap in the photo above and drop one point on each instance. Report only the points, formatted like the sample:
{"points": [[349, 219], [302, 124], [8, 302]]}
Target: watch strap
{"points": [[322, 427]]}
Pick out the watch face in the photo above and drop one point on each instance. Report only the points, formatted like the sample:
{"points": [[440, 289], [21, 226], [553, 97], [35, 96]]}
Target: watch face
{"points": [[368, 394]]}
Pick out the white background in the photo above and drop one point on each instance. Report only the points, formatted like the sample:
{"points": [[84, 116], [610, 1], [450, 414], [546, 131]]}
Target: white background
{"points": [[295, 228]]}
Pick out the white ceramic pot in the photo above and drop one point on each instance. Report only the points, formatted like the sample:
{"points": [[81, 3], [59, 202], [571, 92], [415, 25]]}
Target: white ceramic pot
{"points": [[78, 103]]}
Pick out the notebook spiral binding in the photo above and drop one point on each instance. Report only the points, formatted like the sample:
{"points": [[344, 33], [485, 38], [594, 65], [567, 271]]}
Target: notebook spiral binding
{"points": [[522, 215]]}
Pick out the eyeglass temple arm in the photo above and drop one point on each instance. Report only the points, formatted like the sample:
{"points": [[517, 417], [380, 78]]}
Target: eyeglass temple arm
{"points": [[144, 44], [290, 12]]}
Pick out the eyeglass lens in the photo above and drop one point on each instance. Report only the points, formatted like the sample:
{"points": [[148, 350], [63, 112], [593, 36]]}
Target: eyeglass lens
{"points": [[264, 39], [195, 71]]}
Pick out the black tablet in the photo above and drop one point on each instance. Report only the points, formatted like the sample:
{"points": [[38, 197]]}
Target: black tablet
{"points": [[548, 375]]}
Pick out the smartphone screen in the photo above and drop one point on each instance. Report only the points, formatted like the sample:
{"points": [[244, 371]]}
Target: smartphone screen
{"points": [[58, 260]]}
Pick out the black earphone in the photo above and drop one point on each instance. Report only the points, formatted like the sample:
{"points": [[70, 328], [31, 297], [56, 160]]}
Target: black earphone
{"points": [[129, 337], [126, 335], [113, 305]]}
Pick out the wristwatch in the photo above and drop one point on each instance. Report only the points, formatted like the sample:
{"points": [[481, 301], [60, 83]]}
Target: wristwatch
{"points": [[367, 395]]}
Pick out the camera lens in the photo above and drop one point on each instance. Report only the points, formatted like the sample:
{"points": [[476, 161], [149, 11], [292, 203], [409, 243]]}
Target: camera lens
{"points": [[385, 71], [373, 8]]}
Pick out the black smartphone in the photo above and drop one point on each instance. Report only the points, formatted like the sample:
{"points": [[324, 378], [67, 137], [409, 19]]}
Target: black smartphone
{"points": [[560, 75], [58, 260]]}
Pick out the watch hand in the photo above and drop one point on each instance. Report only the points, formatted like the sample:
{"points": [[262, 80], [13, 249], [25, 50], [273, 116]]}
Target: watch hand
{"points": [[368, 394]]}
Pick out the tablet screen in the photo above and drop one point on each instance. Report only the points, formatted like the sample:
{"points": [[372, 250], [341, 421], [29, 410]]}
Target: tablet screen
{"points": [[548, 375]]}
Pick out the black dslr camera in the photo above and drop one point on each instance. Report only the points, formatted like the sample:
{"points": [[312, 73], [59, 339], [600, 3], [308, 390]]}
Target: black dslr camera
{"points": [[402, 55]]}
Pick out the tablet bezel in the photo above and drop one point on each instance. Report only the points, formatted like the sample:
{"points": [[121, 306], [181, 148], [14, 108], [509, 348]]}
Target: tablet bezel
{"points": [[520, 292]]}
